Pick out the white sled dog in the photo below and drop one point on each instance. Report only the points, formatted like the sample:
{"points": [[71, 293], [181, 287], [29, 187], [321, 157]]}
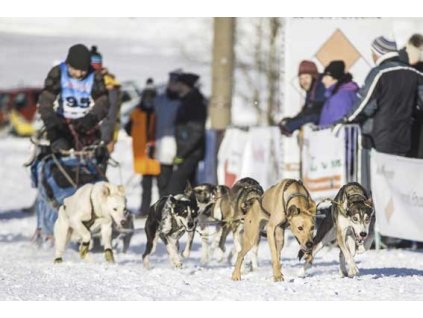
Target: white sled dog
{"points": [[92, 207]]}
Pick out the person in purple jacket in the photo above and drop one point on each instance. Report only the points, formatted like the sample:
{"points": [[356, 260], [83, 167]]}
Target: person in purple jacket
{"points": [[341, 93]]}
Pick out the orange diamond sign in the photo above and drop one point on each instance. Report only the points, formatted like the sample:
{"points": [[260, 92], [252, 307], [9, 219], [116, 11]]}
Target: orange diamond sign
{"points": [[338, 47]]}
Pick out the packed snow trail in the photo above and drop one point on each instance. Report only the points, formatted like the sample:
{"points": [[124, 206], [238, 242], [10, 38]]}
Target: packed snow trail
{"points": [[27, 272]]}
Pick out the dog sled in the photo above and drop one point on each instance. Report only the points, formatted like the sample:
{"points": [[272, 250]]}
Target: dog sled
{"points": [[58, 176]]}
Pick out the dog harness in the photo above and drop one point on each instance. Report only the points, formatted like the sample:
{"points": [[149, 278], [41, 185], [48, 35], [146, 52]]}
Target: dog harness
{"points": [[285, 203]]}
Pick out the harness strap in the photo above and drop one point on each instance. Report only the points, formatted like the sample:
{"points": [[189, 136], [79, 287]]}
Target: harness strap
{"points": [[63, 171], [262, 207], [91, 221], [296, 195]]}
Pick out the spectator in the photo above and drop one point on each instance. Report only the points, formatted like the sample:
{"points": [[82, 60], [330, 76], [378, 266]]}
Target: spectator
{"points": [[386, 104], [82, 101], [190, 132], [412, 53], [166, 107], [340, 93], [141, 128], [310, 82]]}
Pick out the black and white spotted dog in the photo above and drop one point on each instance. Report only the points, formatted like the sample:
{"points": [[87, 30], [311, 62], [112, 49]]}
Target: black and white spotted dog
{"points": [[169, 218], [204, 196]]}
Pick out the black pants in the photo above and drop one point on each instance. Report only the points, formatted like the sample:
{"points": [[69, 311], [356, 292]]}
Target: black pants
{"points": [[147, 184], [181, 174], [163, 178]]}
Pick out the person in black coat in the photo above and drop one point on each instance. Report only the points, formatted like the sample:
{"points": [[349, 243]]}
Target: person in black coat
{"points": [[386, 106], [190, 133]]}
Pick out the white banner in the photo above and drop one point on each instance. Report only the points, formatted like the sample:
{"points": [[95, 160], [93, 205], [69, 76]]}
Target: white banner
{"points": [[397, 190], [323, 162], [255, 153]]}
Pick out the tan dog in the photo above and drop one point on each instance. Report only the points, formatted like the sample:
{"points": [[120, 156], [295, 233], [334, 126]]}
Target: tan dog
{"points": [[287, 203], [230, 208]]}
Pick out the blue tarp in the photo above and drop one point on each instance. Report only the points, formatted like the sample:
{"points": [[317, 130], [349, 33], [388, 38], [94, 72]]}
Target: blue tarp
{"points": [[42, 176]]}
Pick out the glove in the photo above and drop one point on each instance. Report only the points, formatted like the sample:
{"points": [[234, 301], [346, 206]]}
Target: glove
{"points": [[284, 131], [150, 149], [54, 122], [86, 123], [178, 160], [59, 145]]}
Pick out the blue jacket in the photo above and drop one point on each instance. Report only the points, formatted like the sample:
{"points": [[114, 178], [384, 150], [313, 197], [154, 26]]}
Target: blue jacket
{"points": [[339, 104]]}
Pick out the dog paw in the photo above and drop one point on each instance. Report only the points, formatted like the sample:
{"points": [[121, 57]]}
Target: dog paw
{"points": [[219, 255], [353, 271], [204, 261], [83, 250], [185, 254], [178, 265], [302, 273], [58, 260], [236, 276], [342, 274], [278, 278], [108, 255], [146, 263]]}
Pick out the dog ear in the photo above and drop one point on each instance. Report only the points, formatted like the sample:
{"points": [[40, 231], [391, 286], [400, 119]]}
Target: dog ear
{"points": [[121, 189], [188, 188], [172, 200], [292, 210], [312, 206], [106, 190], [369, 202]]}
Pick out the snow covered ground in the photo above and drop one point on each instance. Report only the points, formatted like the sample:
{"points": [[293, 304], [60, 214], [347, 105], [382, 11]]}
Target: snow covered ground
{"points": [[27, 272]]}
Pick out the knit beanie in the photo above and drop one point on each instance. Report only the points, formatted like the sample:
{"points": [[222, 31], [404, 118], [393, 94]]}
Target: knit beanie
{"points": [[79, 57], [336, 69], [308, 67], [96, 58], [382, 45]]}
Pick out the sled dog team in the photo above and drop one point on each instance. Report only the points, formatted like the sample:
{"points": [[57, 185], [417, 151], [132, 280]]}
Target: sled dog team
{"points": [[245, 210]]}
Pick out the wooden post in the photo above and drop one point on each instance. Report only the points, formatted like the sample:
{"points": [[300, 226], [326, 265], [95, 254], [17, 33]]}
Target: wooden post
{"points": [[222, 73]]}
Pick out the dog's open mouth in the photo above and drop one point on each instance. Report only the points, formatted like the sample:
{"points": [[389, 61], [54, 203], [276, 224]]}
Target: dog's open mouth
{"points": [[359, 239]]}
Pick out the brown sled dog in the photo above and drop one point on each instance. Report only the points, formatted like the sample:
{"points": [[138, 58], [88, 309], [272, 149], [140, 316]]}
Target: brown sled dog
{"points": [[230, 209], [286, 204]]}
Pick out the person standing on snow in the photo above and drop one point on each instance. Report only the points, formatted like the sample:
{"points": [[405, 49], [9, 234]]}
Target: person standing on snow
{"points": [[82, 101], [190, 133]]}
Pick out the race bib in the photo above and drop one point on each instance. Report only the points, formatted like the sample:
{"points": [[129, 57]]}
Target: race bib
{"points": [[75, 99]]}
